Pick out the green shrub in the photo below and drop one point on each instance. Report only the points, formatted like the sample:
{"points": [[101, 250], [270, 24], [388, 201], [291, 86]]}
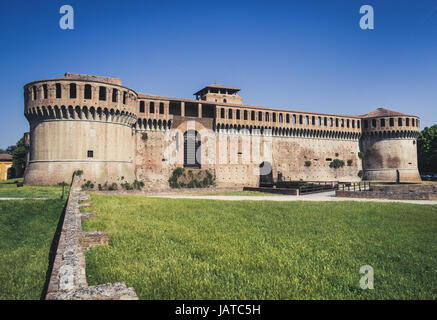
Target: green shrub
{"points": [[361, 155], [349, 163], [127, 186], [144, 136], [113, 187], [336, 154], [336, 163], [137, 185], [307, 163], [360, 173], [173, 180], [88, 185], [190, 180], [78, 173]]}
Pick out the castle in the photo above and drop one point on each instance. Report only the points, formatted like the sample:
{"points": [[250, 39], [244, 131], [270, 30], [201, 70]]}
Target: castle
{"points": [[115, 134]]}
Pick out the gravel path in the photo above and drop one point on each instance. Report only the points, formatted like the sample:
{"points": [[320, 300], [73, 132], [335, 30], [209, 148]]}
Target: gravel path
{"points": [[324, 196]]}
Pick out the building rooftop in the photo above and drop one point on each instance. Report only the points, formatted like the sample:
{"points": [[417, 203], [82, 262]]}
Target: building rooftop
{"points": [[217, 86], [382, 112], [5, 157]]}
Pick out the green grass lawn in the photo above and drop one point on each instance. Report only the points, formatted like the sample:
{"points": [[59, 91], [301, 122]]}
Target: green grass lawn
{"points": [[8, 189], [27, 228], [206, 249]]}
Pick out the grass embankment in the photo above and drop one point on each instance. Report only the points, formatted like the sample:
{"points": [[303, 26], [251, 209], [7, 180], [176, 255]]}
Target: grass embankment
{"points": [[206, 249], [27, 228], [8, 189]]}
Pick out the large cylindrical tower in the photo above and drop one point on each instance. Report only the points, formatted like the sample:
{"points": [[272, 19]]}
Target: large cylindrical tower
{"points": [[80, 122], [389, 143]]}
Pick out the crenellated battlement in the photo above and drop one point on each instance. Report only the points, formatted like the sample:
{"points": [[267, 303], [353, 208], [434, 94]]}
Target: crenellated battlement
{"points": [[69, 91]]}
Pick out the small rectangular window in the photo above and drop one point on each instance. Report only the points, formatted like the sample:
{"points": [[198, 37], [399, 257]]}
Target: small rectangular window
{"points": [[72, 91], [152, 107], [114, 95], [161, 107], [90, 153], [142, 106], [87, 92], [58, 91], [44, 86], [102, 93]]}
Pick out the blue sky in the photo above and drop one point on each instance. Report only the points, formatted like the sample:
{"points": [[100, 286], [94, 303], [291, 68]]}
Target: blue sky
{"points": [[299, 55]]}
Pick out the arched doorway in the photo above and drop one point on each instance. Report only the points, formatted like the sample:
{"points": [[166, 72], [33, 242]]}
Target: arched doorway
{"points": [[192, 151], [265, 174]]}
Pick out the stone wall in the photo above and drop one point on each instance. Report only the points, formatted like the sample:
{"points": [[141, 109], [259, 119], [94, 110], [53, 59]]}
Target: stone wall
{"points": [[68, 278], [235, 164], [398, 192]]}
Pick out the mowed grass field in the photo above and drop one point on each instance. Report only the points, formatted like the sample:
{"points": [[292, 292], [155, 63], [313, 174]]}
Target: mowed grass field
{"points": [[8, 189], [27, 228], [207, 249]]}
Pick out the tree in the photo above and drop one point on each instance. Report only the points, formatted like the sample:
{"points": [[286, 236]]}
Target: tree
{"points": [[427, 149]]}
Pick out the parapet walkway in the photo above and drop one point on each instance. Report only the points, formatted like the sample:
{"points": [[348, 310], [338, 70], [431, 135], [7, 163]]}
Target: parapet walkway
{"points": [[324, 196]]}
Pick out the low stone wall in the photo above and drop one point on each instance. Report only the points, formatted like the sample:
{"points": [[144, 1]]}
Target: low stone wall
{"points": [[387, 194], [68, 278]]}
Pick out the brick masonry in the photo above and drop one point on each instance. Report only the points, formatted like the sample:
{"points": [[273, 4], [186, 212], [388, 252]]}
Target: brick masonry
{"points": [[396, 192], [68, 277]]}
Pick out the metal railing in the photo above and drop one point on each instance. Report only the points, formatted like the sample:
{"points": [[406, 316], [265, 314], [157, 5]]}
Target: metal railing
{"points": [[355, 186]]}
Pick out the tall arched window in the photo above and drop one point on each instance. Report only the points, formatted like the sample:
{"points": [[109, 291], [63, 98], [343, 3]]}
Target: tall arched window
{"points": [[192, 150], [34, 92]]}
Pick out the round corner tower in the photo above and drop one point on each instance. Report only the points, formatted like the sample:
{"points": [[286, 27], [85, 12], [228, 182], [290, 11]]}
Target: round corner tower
{"points": [[80, 122], [389, 143]]}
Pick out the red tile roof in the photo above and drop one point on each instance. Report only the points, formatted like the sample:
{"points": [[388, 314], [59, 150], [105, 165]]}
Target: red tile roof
{"points": [[5, 157], [382, 112]]}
